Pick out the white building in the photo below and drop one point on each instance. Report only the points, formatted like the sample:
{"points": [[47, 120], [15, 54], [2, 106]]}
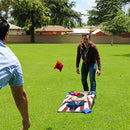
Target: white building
{"points": [[81, 30], [15, 30]]}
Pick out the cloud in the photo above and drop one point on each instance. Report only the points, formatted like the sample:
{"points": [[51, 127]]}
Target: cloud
{"points": [[82, 6], [84, 12], [126, 7], [90, 3]]}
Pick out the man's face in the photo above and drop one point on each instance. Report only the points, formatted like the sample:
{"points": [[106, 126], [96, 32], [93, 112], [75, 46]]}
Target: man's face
{"points": [[85, 39]]}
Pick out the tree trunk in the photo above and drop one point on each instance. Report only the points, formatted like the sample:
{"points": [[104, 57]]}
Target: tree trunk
{"points": [[32, 28], [32, 34], [112, 40]]}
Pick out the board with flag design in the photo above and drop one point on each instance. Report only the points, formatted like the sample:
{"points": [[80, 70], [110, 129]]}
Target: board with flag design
{"points": [[77, 103]]}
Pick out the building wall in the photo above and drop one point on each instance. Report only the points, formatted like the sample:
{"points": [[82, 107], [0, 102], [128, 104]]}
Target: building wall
{"points": [[65, 39], [125, 35], [98, 34], [50, 33], [15, 32]]}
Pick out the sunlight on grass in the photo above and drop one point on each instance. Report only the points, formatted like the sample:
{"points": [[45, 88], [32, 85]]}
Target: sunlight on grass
{"points": [[46, 88]]}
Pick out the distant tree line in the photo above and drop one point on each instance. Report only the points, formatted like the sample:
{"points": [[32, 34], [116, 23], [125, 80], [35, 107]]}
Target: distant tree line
{"points": [[36, 13], [110, 15], [31, 14]]}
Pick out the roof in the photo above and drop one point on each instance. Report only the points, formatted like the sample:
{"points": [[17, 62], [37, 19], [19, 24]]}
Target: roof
{"points": [[14, 26], [54, 28], [85, 27], [77, 30], [96, 31], [96, 28]]}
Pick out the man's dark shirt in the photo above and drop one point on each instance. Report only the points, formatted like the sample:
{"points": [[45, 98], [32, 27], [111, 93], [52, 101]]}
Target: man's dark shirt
{"points": [[89, 55]]}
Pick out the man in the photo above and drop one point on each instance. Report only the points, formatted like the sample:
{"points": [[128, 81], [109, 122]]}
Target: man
{"points": [[11, 72], [90, 55]]}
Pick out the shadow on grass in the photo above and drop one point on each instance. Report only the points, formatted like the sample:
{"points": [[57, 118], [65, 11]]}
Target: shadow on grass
{"points": [[49, 128], [127, 55]]}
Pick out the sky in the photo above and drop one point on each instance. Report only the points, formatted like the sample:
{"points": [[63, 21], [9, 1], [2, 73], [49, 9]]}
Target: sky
{"points": [[83, 5]]}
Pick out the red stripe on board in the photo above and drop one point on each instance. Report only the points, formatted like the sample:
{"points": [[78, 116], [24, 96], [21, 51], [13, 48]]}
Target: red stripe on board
{"points": [[92, 97], [66, 97], [65, 109], [69, 98], [81, 108], [62, 104], [65, 101], [89, 103], [73, 109]]}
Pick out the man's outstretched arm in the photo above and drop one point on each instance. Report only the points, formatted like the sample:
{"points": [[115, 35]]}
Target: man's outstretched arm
{"points": [[21, 101]]}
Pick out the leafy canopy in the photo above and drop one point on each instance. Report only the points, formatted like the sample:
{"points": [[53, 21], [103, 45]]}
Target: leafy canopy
{"points": [[28, 9], [103, 11], [5, 6], [119, 24], [61, 13], [31, 12]]}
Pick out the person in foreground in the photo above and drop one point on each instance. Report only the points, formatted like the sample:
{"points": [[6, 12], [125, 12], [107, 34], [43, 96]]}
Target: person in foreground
{"points": [[90, 56], [11, 73]]}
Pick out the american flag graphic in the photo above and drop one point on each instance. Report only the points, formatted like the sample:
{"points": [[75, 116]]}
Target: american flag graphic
{"points": [[73, 103]]}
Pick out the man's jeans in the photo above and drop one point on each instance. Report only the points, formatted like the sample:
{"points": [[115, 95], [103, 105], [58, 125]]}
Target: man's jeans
{"points": [[91, 68]]}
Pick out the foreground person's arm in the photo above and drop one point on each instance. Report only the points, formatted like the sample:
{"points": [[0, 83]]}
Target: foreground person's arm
{"points": [[21, 101]]}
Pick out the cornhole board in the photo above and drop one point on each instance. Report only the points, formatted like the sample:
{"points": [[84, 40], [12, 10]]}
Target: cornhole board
{"points": [[77, 103]]}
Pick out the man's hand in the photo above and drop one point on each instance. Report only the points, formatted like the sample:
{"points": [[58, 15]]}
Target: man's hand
{"points": [[26, 124], [98, 72], [77, 70]]}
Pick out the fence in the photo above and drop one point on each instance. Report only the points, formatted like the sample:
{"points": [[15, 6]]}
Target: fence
{"points": [[65, 39]]}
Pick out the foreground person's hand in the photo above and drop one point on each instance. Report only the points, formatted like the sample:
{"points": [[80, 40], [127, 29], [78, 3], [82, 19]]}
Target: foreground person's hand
{"points": [[26, 124]]}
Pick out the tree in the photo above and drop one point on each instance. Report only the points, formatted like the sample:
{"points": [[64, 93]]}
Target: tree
{"points": [[110, 15], [129, 12], [5, 6], [32, 11], [61, 13], [119, 24], [103, 10], [0, 9], [125, 2]]}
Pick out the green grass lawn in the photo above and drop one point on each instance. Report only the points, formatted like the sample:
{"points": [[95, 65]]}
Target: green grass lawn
{"points": [[46, 88]]}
